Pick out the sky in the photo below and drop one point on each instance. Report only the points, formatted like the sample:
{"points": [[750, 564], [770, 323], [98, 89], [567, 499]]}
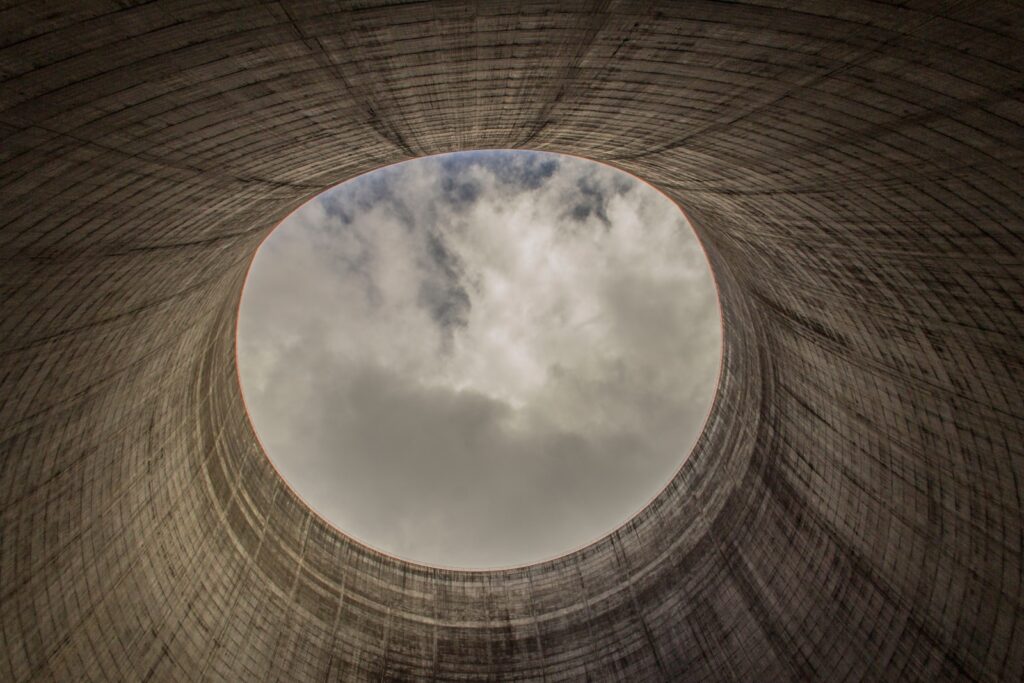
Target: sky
{"points": [[480, 359]]}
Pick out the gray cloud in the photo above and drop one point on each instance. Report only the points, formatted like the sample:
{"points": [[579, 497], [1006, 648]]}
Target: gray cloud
{"points": [[441, 291], [453, 364]]}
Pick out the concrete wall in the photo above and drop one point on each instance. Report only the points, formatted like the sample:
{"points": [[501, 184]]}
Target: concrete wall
{"points": [[854, 508]]}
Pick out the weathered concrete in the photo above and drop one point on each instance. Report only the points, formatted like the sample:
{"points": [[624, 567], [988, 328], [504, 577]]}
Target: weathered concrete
{"points": [[854, 509]]}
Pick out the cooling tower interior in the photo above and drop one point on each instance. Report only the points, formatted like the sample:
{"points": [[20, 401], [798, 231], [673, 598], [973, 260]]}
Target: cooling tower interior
{"points": [[853, 509]]}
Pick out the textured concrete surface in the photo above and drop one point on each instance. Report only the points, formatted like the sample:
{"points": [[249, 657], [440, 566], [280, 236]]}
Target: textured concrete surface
{"points": [[854, 509]]}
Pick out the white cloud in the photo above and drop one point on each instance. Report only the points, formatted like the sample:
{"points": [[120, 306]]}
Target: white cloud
{"points": [[481, 359]]}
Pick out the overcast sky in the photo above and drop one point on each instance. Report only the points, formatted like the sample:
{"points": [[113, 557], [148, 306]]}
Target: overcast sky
{"points": [[481, 359]]}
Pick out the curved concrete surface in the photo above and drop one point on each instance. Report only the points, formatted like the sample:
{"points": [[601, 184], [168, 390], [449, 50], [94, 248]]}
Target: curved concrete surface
{"points": [[854, 508]]}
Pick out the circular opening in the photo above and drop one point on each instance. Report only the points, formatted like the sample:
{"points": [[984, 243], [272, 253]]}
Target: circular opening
{"points": [[480, 359]]}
